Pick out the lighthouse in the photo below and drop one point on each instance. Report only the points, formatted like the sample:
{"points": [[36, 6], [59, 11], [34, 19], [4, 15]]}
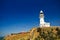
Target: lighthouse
{"points": [[42, 22]]}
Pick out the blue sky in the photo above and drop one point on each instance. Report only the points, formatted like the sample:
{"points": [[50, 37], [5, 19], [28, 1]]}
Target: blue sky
{"points": [[22, 15]]}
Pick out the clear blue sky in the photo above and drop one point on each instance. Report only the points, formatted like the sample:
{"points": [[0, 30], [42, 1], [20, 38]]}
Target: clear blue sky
{"points": [[22, 15]]}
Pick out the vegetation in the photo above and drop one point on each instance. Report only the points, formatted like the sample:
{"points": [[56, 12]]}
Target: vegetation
{"points": [[46, 33]]}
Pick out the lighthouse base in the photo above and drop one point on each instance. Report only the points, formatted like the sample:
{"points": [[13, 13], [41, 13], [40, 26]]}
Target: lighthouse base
{"points": [[45, 25]]}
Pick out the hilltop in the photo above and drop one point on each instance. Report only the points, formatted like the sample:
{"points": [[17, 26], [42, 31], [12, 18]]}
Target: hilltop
{"points": [[45, 33]]}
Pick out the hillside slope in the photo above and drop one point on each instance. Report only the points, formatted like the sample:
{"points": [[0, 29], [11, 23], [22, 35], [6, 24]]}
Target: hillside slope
{"points": [[46, 33]]}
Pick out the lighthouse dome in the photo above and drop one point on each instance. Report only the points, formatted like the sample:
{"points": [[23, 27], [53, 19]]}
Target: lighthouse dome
{"points": [[41, 12]]}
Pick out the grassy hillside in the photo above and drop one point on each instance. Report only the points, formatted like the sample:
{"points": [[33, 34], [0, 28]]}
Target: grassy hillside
{"points": [[51, 33], [46, 33]]}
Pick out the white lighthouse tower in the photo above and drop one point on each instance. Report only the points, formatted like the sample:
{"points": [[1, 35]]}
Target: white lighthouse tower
{"points": [[42, 22]]}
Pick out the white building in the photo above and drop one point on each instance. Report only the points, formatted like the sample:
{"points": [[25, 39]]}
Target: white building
{"points": [[42, 22]]}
